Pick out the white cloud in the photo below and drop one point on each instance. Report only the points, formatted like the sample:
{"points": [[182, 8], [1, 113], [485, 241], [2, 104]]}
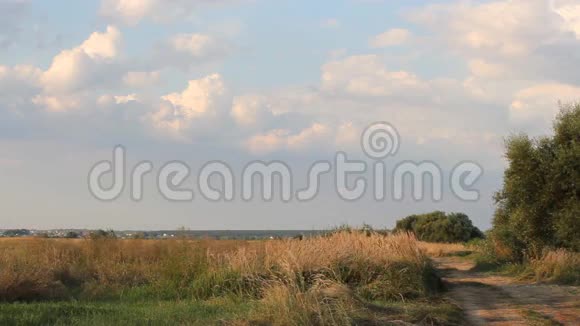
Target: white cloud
{"points": [[392, 37], [198, 98], [124, 99], [503, 43], [128, 11], [73, 69], [200, 105], [249, 110], [102, 46], [366, 75], [308, 136], [570, 12], [284, 139], [185, 50], [507, 27], [58, 103], [507, 39]]}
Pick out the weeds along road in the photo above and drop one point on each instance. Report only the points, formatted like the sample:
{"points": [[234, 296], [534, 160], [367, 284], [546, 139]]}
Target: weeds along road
{"points": [[500, 300]]}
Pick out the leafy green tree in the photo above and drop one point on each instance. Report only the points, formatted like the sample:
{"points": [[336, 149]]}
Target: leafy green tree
{"points": [[439, 227], [539, 204]]}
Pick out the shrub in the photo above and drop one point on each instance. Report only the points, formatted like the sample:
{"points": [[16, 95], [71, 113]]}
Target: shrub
{"points": [[440, 227]]}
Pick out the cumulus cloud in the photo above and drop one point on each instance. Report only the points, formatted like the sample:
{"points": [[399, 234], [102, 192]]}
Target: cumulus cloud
{"points": [[367, 75], [527, 36], [392, 37], [249, 110], [58, 103], [517, 58], [198, 98], [185, 50], [199, 103], [509, 28], [75, 68]]}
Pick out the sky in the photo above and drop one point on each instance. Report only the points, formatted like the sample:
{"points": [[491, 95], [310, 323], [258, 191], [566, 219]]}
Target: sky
{"points": [[295, 81]]}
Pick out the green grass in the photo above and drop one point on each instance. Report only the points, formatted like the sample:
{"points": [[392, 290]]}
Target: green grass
{"points": [[211, 312], [122, 313], [534, 318], [432, 312]]}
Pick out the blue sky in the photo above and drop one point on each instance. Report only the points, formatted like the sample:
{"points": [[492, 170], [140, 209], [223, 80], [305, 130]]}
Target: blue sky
{"points": [[240, 80]]}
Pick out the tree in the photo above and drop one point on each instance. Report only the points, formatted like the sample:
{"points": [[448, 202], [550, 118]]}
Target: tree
{"points": [[439, 227], [102, 234], [539, 204], [71, 235]]}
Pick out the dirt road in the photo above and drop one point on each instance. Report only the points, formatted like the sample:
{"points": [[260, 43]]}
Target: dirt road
{"points": [[498, 300]]}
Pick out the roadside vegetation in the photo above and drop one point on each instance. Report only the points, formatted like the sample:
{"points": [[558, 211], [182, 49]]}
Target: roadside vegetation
{"points": [[537, 221], [343, 278]]}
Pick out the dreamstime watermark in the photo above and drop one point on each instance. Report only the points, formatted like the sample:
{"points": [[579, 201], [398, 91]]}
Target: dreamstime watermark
{"points": [[379, 141]]}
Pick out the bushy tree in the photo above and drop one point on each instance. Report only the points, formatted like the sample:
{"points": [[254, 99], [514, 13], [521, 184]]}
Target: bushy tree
{"points": [[439, 227], [539, 204], [71, 235], [102, 234]]}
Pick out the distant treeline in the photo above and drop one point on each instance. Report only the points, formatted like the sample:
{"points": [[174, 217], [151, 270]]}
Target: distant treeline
{"points": [[163, 234]]}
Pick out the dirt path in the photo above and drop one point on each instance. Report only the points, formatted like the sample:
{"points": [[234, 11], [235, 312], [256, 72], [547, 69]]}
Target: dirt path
{"points": [[498, 300]]}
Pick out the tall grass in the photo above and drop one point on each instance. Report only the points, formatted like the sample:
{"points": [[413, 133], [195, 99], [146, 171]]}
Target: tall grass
{"points": [[371, 266], [444, 249], [549, 265], [560, 266]]}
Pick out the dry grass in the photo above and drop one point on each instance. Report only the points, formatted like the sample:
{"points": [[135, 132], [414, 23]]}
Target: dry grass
{"points": [[442, 249], [557, 266], [315, 281]]}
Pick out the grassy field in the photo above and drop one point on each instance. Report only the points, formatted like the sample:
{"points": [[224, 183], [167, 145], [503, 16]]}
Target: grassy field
{"points": [[342, 279]]}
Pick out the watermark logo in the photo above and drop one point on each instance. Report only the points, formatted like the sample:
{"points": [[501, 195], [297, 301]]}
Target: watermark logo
{"points": [[380, 140], [258, 179]]}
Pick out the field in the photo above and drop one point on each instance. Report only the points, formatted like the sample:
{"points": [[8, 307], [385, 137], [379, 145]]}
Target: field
{"points": [[341, 279]]}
